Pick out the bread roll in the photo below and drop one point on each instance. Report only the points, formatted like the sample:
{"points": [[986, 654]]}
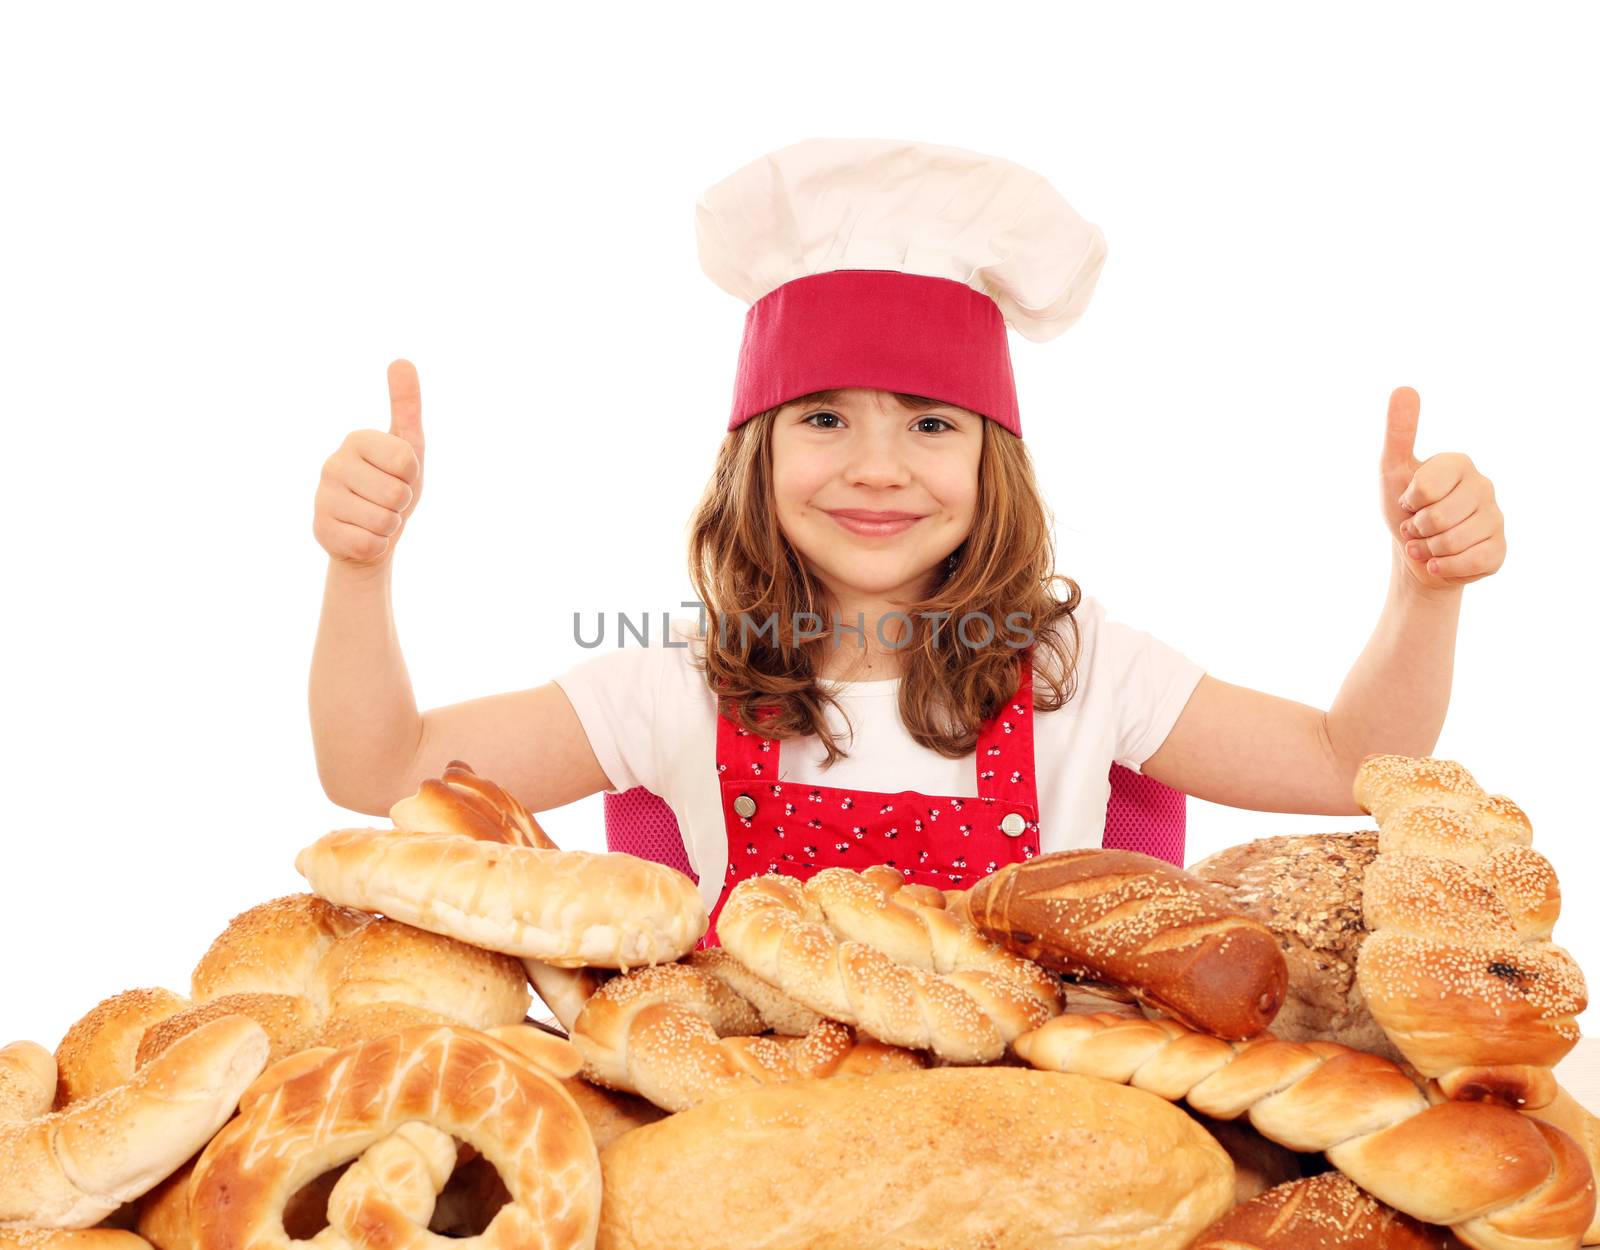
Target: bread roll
{"points": [[994, 1157]]}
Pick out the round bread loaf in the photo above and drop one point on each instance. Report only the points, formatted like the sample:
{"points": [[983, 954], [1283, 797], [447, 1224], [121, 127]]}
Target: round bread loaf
{"points": [[1307, 888], [997, 1157]]}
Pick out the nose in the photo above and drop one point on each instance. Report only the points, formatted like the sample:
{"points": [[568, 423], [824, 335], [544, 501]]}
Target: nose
{"points": [[875, 460]]}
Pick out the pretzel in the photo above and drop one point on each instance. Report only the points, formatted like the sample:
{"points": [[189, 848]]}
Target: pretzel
{"points": [[680, 1035], [1500, 1179], [311, 974], [864, 949], [72, 1168], [1458, 968], [476, 874], [393, 1105]]}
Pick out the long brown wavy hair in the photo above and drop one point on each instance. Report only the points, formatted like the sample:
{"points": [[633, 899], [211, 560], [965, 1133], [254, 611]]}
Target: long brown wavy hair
{"points": [[744, 569]]}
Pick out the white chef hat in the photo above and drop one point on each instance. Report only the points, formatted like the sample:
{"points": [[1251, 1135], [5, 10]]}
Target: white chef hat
{"points": [[895, 265]]}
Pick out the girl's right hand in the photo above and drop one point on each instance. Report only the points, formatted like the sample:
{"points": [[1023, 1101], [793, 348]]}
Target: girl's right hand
{"points": [[371, 485]]}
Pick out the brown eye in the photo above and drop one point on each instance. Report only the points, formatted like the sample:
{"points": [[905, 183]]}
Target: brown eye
{"points": [[813, 416], [949, 425]]}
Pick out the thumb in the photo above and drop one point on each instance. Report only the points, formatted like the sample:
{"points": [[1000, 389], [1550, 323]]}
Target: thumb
{"points": [[1400, 437], [405, 403]]}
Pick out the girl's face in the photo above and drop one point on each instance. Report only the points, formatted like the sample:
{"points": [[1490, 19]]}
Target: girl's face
{"points": [[836, 464]]}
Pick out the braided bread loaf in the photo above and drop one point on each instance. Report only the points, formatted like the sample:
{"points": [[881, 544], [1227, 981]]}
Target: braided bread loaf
{"points": [[865, 949], [680, 1035], [1501, 1179], [1458, 967]]}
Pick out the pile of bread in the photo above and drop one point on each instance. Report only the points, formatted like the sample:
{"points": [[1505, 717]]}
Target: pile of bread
{"points": [[1306, 1043]]}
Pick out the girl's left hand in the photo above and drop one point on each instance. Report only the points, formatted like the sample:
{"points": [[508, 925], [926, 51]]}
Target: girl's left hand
{"points": [[1441, 511]]}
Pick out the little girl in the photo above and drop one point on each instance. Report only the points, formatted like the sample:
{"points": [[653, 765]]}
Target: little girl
{"points": [[882, 671]]}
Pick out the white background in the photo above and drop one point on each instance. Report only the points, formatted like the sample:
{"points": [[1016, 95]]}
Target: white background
{"points": [[225, 221]]}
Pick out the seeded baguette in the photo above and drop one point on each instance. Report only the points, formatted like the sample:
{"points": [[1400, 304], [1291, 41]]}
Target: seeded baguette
{"points": [[1172, 940]]}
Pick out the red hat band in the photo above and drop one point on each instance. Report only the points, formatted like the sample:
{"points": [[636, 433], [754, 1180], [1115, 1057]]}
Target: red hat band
{"points": [[878, 328]]}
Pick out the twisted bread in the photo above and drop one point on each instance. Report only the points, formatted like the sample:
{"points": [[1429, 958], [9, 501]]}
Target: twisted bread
{"points": [[680, 1035], [854, 948], [1323, 1212], [1458, 968], [311, 974], [1502, 1180], [478, 877], [405, 1095], [72, 1168], [1137, 921]]}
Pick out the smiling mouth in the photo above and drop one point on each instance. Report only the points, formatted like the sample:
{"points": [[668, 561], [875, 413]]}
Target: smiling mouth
{"points": [[874, 524]]}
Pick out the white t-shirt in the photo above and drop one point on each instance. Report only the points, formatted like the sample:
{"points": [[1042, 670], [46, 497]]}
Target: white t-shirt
{"points": [[652, 721]]}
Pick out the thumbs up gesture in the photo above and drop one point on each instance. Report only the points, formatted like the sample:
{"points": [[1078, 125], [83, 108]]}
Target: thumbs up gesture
{"points": [[1441, 511], [371, 484]]}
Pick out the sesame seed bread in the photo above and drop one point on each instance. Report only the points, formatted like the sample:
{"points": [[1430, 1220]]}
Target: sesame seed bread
{"points": [[1137, 921], [72, 1168], [311, 974], [1323, 1212], [864, 949], [1458, 966]]}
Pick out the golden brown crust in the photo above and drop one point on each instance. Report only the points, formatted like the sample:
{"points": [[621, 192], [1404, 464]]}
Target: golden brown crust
{"points": [[849, 946], [386, 962], [562, 907], [1492, 1173], [27, 1081], [98, 1051], [291, 1023], [70, 1239], [459, 801], [997, 1157], [1328, 1211], [406, 1096], [680, 1034], [75, 1167], [1458, 969], [273, 947], [1139, 922]]}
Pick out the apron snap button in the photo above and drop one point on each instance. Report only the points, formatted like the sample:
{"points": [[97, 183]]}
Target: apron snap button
{"points": [[746, 806], [1013, 825]]}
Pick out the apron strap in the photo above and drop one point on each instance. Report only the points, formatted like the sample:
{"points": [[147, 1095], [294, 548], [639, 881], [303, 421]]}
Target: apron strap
{"points": [[1005, 745]]}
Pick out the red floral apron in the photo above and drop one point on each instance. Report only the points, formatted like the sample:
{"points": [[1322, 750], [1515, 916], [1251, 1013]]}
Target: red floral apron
{"points": [[946, 841]]}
